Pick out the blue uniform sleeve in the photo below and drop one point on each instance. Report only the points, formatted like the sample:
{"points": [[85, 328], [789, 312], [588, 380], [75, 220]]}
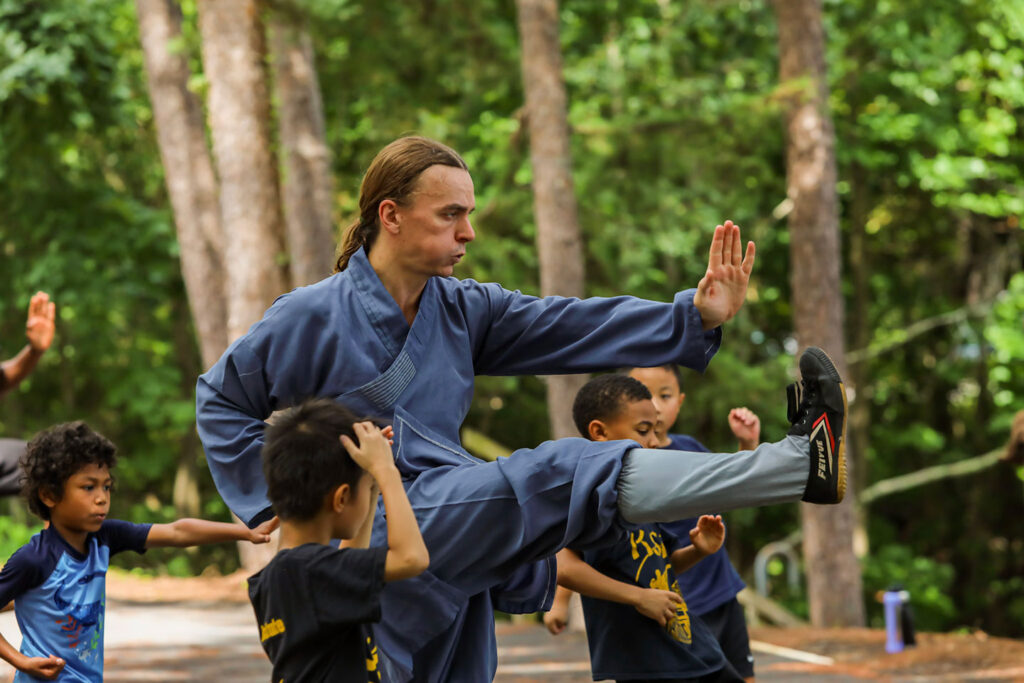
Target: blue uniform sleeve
{"points": [[524, 334], [22, 572], [120, 536]]}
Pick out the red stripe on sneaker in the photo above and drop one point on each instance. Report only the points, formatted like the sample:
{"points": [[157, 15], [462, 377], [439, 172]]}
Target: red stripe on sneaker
{"points": [[828, 428]]}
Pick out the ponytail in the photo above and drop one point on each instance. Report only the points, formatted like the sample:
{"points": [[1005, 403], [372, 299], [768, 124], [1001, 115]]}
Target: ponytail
{"points": [[357, 235]]}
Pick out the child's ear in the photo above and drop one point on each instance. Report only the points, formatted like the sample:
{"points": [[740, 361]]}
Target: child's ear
{"points": [[682, 397], [597, 431], [49, 500], [341, 497]]}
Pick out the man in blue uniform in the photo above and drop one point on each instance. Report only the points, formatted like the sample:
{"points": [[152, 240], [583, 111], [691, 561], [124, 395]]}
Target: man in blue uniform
{"points": [[394, 336]]}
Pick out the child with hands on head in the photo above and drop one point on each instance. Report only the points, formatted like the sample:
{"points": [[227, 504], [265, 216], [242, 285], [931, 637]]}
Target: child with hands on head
{"points": [[638, 623], [314, 603], [57, 580]]}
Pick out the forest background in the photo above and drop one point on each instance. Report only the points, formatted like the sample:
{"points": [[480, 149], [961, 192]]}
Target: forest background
{"points": [[676, 123]]}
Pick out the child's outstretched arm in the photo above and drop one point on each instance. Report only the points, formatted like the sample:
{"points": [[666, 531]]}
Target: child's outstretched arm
{"points": [[188, 532], [577, 575], [407, 554], [45, 668], [706, 537]]}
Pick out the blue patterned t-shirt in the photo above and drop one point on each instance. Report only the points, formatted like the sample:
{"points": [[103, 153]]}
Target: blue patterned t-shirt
{"points": [[60, 594]]}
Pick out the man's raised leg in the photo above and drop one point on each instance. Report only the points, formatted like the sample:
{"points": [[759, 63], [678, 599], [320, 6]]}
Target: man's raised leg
{"points": [[809, 464]]}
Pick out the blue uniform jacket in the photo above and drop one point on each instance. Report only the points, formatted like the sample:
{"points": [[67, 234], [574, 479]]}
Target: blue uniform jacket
{"points": [[346, 338]]}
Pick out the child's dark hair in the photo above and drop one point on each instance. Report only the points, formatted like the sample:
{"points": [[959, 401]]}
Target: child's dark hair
{"points": [[54, 455], [303, 459], [671, 367], [603, 397]]}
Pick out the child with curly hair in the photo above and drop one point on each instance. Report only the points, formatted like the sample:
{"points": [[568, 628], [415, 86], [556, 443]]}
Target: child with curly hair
{"points": [[57, 580]]}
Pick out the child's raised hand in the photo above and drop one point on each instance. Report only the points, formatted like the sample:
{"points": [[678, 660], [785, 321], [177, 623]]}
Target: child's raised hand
{"points": [[745, 425], [389, 434], [46, 668], [373, 453], [39, 327], [261, 534], [657, 604], [709, 534]]}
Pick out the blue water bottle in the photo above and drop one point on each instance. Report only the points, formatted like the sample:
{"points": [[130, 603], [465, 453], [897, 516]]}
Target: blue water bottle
{"points": [[892, 601]]}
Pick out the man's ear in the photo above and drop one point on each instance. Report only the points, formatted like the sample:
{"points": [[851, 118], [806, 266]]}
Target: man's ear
{"points": [[597, 431], [341, 497], [387, 214]]}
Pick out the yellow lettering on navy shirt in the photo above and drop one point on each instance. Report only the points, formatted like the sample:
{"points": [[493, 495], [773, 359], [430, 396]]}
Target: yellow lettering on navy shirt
{"points": [[371, 660], [274, 627], [644, 546]]}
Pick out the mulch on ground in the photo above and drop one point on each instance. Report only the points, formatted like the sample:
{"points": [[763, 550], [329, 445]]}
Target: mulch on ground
{"points": [[859, 650]]}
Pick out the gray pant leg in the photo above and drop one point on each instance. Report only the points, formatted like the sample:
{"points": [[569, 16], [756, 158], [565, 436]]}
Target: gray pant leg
{"points": [[664, 486]]}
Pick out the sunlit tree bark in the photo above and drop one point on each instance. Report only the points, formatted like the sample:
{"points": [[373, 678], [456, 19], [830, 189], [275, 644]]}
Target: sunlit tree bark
{"points": [[559, 244], [833, 573]]}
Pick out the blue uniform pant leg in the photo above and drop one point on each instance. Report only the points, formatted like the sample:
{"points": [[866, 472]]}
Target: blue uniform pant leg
{"points": [[483, 521], [665, 486]]}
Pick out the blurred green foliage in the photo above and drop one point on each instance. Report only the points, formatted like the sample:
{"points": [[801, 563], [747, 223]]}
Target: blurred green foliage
{"points": [[676, 126]]}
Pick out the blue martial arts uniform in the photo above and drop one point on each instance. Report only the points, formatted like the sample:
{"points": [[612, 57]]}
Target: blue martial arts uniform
{"points": [[491, 528]]}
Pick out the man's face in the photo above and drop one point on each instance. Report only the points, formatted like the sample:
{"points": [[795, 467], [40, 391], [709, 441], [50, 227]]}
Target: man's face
{"points": [[635, 420], [434, 225], [86, 500]]}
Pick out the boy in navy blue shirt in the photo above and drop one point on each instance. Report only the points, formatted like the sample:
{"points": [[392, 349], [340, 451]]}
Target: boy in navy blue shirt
{"points": [[57, 580], [712, 586], [314, 603], [639, 627]]}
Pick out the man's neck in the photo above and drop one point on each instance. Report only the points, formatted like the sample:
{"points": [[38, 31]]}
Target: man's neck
{"points": [[404, 287]]}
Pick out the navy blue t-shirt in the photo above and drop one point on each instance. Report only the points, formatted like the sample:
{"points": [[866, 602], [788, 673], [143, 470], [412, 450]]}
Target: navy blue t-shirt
{"points": [[60, 594], [625, 644], [713, 581]]}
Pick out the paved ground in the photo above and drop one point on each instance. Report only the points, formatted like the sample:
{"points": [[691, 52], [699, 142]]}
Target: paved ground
{"points": [[216, 643]]}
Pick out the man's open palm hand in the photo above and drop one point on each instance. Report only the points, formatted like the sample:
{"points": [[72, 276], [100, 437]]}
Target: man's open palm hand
{"points": [[721, 291]]}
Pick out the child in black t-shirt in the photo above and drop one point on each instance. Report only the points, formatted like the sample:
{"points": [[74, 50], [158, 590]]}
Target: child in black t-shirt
{"points": [[314, 603], [639, 627]]}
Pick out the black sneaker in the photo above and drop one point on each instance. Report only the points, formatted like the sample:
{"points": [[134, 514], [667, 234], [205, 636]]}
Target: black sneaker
{"points": [[817, 409]]}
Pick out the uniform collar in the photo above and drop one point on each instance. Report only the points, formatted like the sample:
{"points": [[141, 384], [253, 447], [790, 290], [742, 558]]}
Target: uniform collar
{"points": [[382, 310]]}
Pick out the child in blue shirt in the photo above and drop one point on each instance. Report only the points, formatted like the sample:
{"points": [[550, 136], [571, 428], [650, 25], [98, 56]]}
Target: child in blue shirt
{"points": [[639, 627], [57, 580], [713, 585]]}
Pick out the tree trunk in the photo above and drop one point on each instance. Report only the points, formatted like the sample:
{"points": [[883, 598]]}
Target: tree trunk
{"points": [[234, 54], [239, 113], [833, 573], [188, 172], [554, 201], [307, 185], [858, 427]]}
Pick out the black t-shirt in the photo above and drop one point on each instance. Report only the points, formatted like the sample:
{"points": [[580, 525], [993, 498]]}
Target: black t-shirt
{"points": [[626, 645], [314, 604]]}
